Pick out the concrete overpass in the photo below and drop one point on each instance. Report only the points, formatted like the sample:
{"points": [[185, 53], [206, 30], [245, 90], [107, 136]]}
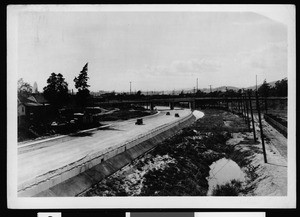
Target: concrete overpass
{"points": [[192, 102]]}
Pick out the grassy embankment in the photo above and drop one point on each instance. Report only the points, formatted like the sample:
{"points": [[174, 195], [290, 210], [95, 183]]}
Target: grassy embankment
{"points": [[180, 165]]}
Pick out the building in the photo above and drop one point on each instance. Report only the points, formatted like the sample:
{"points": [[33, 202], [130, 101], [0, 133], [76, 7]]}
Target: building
{"points": [[33, 108], [35, 88], [39, 98]]}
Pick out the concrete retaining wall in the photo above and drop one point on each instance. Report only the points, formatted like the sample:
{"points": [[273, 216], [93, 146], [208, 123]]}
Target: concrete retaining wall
{"points": [[75, 179]]}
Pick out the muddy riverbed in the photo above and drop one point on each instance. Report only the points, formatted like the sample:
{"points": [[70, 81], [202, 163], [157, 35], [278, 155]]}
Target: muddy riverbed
{"points": [[212, 157]]}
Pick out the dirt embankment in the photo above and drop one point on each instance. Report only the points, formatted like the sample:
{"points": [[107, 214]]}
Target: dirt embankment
{"points": [[179, 166]]}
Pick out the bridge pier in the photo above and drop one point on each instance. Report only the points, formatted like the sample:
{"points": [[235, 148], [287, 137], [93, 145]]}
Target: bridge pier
{"points": [[171, 104], [192, 105], [151, 106]]}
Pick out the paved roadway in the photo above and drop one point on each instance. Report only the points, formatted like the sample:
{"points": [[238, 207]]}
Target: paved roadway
{"points": [[37, 160]]}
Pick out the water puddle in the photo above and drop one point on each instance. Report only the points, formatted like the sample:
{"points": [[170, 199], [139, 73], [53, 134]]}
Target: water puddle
{"points": [[222, 172], [198, 114]]}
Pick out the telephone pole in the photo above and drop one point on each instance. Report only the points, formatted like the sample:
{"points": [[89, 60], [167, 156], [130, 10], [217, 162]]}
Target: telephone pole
{"points": [[130, 87], [256, 81]]}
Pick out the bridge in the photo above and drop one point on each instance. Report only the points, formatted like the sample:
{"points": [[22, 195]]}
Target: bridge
{"points": [[193, 102]]}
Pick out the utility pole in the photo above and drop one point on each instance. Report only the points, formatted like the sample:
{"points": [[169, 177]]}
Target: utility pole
{"points": [[130, 87], [210, 87], [247, 111], [256, 81], [261, 128], [197, 84], [252, 118]]}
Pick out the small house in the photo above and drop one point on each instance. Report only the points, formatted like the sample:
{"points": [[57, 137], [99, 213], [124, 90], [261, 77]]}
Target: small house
{"points": [[30, 110]]}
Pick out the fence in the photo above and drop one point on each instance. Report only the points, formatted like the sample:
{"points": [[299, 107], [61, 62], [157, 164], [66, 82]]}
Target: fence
{"points": [[273, 109]]}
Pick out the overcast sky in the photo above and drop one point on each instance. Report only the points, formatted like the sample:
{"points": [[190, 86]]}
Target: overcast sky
{"points": [[153, 50]]}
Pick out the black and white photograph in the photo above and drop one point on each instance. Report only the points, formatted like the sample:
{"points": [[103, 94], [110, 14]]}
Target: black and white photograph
{"points": [[157, 106]]}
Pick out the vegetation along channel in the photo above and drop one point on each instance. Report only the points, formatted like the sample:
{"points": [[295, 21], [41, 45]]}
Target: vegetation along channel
{"points": [[181, 165]]}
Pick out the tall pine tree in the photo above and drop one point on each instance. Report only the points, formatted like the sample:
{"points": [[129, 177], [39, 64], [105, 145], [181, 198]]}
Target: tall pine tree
{"points": [[82, 86]]}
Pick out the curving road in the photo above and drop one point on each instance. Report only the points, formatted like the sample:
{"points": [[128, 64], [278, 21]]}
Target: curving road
{"points": [[38, 159]]}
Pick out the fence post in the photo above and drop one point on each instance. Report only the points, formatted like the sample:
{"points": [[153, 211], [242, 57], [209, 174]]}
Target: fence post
{"points": [[266, 105], [227, 104], [252, 119], [243, 109], [247, 112], [261, 129], [239, 104]]}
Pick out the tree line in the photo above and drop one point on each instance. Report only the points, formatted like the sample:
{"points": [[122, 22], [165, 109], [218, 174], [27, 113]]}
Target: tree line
{"points": [[265, 90], [280, 89], [57, 92]]}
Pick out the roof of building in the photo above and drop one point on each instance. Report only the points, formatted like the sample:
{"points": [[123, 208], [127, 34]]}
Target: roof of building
{"points": [[27, 102], [38, 97]]}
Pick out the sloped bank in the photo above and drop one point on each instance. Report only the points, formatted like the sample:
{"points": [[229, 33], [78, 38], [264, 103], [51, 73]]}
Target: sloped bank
{"points": [[117, 158]]}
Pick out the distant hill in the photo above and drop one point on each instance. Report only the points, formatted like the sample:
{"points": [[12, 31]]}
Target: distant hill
{"points": [[100, 92], [272, 84], [222, 88], [191, 90]]}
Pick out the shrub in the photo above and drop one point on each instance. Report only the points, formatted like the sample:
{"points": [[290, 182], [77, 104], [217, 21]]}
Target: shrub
{"points": [[233, 188]]}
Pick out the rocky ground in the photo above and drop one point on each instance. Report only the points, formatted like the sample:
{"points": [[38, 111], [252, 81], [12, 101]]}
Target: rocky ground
{"points": [[180, 166]]}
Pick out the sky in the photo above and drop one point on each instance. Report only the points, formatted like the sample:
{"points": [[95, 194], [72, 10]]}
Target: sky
{"points": [[152, 50]]}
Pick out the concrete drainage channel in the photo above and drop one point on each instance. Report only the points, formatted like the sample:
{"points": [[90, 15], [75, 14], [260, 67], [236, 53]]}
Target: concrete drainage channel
{"points": [[75, 179]]}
